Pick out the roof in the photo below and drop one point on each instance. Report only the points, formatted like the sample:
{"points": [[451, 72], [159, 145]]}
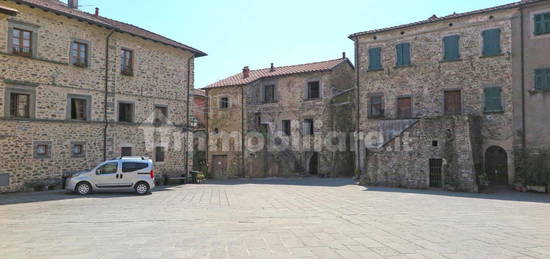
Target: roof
{"points": [[8, 11], [258, 74], [61, 8], [198, 92], [434, 18]]}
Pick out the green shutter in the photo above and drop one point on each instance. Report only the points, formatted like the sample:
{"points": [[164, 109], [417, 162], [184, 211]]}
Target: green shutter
{"points": [[491, 42], [539, 79], [375, 59], [451, 47], [403, 54], [539, 24], [493, 99]]}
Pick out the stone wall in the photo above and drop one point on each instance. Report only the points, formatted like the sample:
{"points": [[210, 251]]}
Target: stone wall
{"points": [[404, 161], [160, 78], [429, 76]]}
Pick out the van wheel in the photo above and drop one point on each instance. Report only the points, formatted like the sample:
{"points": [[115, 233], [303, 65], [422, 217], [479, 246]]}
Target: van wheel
{"points": [[142, 188], [83, 188]]}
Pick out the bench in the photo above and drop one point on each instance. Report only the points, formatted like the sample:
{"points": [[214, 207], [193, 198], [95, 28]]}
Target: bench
{"points": [[180, 179]]}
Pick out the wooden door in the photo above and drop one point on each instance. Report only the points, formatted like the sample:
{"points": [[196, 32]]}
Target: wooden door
{"points": [[453, 102], [219, 166], [404, 107]]}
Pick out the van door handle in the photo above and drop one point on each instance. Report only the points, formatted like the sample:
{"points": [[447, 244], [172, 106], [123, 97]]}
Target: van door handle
{"points": [[117, 176], [121, 176]]}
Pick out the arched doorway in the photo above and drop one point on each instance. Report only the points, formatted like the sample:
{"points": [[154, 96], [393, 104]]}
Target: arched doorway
{"points": [[496, 165], [314, 163]]}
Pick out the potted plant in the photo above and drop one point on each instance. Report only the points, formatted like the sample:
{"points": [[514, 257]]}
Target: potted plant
{"points": [[483, 181]]}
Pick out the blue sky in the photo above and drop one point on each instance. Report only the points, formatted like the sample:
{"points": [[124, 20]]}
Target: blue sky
{"points": [[237, 33]]}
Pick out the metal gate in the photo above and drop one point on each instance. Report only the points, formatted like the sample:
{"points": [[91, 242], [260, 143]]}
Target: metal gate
{"points": [[436, 171]]}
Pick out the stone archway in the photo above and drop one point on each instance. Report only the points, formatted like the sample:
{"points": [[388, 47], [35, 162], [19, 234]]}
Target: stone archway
{"points": [[496, 165], [313, 165]]}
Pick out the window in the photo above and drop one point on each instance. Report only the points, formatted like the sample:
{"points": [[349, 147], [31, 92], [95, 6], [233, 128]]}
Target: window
{"points": [[403, 54], [126, 151], [375, 59], [159, 154], [127, 62], [224, 102], [42, 149], [79, 107], [542, 79], [269, 93], [452, 102], [128, 167], [286, 127], [493, 99], [376, 106], [491, 42], [77, 149], [108, 168], [21, 42], [79, 54], [436, 171], [451, 49], [308, 127], [125, 112], [161, 115], [20, 105], [404, 107], [313, 90], [542, 23]]}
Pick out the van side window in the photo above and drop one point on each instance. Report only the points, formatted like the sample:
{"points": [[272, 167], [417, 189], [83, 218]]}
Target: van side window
{"points": [[128, 167], [109, 168]]}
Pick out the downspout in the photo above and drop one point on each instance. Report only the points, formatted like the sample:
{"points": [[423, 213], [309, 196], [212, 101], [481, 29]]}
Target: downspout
{"points": [[357, 107], [523, 123], [187, 115], [106, 121], [242, 132]]}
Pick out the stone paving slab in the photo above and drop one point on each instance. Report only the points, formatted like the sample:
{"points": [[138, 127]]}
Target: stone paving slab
{"points": [[275, 218]]}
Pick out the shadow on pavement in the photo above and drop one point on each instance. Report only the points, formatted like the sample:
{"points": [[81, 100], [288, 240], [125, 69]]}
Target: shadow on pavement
{"points": [[30, 197], [307, 181], [499, 194]]}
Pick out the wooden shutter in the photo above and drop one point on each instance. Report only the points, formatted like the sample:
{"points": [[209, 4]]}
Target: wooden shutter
{"points": [[539, 24], [399, 55], [406, 54], [375, 59], [404, 107], [451, 47], [493, 99], [542, 79], [491, 42], [452, 102]]}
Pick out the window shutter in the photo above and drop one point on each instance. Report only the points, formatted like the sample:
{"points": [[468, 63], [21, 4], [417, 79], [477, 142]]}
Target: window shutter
{"points": [[451, 47], [491, 42], [406, 54], [539, 79], [493, 99], [399, 54], [375, 59], [547, 83], [539, 24]]}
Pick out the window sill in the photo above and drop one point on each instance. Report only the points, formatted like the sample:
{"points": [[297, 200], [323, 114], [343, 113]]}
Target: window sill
{"points": [[376, 117], [312, 99], [375, 69], [538, 91], [403, 66], [78, 156], [80, 66], [493, 112], [450, 60], [127, 73], [492, 56]]}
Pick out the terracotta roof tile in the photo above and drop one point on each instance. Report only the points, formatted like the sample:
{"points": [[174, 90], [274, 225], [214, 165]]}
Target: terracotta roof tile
{"points": [[452, 16], [58, 7], [254, 75]]}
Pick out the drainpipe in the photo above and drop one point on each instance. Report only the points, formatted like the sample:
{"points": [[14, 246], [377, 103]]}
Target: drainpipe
{"points": [[242, 131], [187, 115], [106, 121], [358, 106], [523, 123]]}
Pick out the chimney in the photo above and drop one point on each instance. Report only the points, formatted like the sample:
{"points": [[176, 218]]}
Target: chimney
{"points": [[96, 11], [246, 72], [72, 4], [272, 68], [344, 55]]}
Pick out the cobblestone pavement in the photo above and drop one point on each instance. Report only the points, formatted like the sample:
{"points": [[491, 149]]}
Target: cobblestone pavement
{"points": [[275, 218]]}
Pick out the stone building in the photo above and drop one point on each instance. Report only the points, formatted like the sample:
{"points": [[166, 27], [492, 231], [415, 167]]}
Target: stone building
{"points": [[287, 121], [437, 100], [78, 88]]}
